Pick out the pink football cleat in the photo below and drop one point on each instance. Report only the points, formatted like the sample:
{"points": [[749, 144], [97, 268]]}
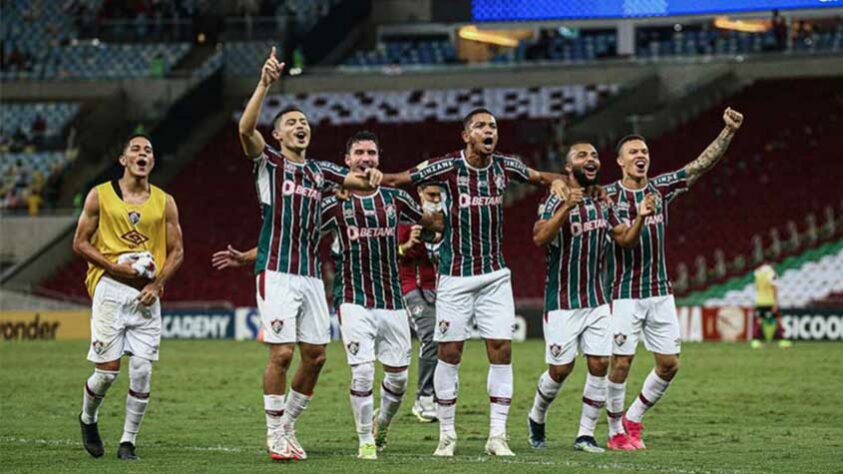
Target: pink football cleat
{"points": [[633, 432], [620, 442]]}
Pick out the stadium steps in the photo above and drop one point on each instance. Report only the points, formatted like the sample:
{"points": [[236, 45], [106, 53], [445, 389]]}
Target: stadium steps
{"points": [[738, 283], [194, 59]]}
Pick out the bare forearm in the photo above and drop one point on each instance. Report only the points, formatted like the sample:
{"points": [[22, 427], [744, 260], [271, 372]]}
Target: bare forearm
{"points": [[251, 255], [546, 230], [171, 266], [93, 256], [396, 180], [630, 235], [544, 178], [711, 155]]}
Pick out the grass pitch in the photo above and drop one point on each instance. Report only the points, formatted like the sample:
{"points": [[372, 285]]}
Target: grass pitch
{"points": [[731, 409]]}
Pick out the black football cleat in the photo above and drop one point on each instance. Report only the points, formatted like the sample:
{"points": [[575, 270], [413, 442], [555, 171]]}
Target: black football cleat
{"points": [[126, 452], [536, 431], [91, 439]]}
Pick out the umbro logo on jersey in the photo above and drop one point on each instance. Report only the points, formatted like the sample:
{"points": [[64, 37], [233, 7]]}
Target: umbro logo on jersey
{"points": [[277, 325], [353, 348], [134, 217], [134, 237], [462, 180], [348, 212]]}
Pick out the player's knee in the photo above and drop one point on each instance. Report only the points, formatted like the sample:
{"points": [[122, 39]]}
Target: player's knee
{"points": [[280, 357], [396, 382], [140, 374], [315, 361], [500, 351], [598, 366], [363, 377], [101, 380], [667, 368], [559, 372], [450, 352], [620, 366]]}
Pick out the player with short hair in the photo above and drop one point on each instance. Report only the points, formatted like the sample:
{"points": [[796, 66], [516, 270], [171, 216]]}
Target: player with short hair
{"points": [[130, 235], [474, 282], [641, 291], [417, 265], [290, 293], [575, 231], [370, 308]]}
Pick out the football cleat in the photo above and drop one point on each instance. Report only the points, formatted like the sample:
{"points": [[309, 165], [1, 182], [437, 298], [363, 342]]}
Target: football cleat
{"points": [[620, 442], [633, 432], [536, 434], [498, 446], [424, 409], [126, 452], [278, 447], [367, 451], [295, 448], [587, 444], [447, 445], [91, 440]]}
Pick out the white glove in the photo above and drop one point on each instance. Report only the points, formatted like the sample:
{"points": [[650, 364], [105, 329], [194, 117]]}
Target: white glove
{"points": [[142, 262]]}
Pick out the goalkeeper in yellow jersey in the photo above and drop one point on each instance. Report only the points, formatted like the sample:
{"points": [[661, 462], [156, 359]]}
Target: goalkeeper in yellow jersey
{"points": [[767, 315]]}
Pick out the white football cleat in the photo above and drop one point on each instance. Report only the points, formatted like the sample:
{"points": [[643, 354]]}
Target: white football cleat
{"points": [[447, 445], [278, 447], [295, 447], [498, 446]]}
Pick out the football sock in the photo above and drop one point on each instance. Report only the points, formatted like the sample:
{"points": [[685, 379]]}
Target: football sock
{"points": [[653, 389], [546, 392], [615, 395], [140, 373], [362, 401], [446, 384], [499, 388], [296, 404], [392, 392], [273, 407], [95, 388], [593, 400]]}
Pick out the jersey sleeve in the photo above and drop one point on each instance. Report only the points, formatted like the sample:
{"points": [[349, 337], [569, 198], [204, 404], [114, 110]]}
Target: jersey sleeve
{"points": [[334, 174], [515, 169], [548, 206], [671, 185], [409, 211], [612, 217], [432, 171], [330, 214]]}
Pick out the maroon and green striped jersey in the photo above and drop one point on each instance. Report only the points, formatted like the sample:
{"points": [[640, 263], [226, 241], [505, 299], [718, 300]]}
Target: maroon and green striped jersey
{"points": [[366, 229], [290, 195], [575, 255], [641, 271], [473, 239]]}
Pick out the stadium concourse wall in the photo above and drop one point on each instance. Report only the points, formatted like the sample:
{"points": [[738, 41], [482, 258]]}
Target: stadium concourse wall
{"points": [[728, 324]]}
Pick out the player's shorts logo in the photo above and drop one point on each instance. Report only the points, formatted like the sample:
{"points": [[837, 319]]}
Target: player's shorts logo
{"points": [[443, 326], [353, 347], [98, 347], [134, 217], [555, 350], [134, 237], [277, 325], [620, 339]]}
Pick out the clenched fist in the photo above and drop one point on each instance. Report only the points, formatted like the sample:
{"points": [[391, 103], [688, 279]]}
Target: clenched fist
{"points": [[733, 118]]}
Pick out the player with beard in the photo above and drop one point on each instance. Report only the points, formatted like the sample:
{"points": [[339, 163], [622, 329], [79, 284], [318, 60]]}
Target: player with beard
{"points": [[641, 291], [373, 323], [574, 230], [290, 293], [130, 235], [474, 283]]}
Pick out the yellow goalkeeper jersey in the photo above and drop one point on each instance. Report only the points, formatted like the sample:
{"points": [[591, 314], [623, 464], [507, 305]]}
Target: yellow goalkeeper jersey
{"points": [[125, 228], [765, 286]]}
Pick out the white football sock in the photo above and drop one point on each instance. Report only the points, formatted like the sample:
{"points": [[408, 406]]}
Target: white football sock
{"points": [[273, 407], [392, 392], [296, 404], [615, 395], [362, 401], [446, 386], [140, 374], [499, 388], [593, 401], [653, 389], [546, 392], [95, 388]]}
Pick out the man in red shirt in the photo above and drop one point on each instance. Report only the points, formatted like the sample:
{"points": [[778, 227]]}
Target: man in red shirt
{"points": [[417, 266]]}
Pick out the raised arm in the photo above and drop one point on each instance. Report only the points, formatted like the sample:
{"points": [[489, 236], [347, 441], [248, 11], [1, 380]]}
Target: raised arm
{"points": [[175, 255], [627, 236], [716, 149], [545, 230], [251, 139], [85, 229], [544, 178]]}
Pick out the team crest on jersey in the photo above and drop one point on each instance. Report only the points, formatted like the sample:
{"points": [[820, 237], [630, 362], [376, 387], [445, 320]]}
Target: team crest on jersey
{"points": [[319, 180], [462, 180], [443, 326], [390, 211], [289, 167], [500, 181], [620, 339], [353, 347], [555, 350], [134, 237], [135, 217], [348, 212], [98, 347], [277, 325]]}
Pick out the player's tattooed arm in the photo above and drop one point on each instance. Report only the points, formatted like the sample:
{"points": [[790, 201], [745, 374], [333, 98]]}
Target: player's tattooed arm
{"points": [[545, 230], [175, 255], [85, 229], [627, 236], [716, 149], [231, 258], [251, 139]]}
